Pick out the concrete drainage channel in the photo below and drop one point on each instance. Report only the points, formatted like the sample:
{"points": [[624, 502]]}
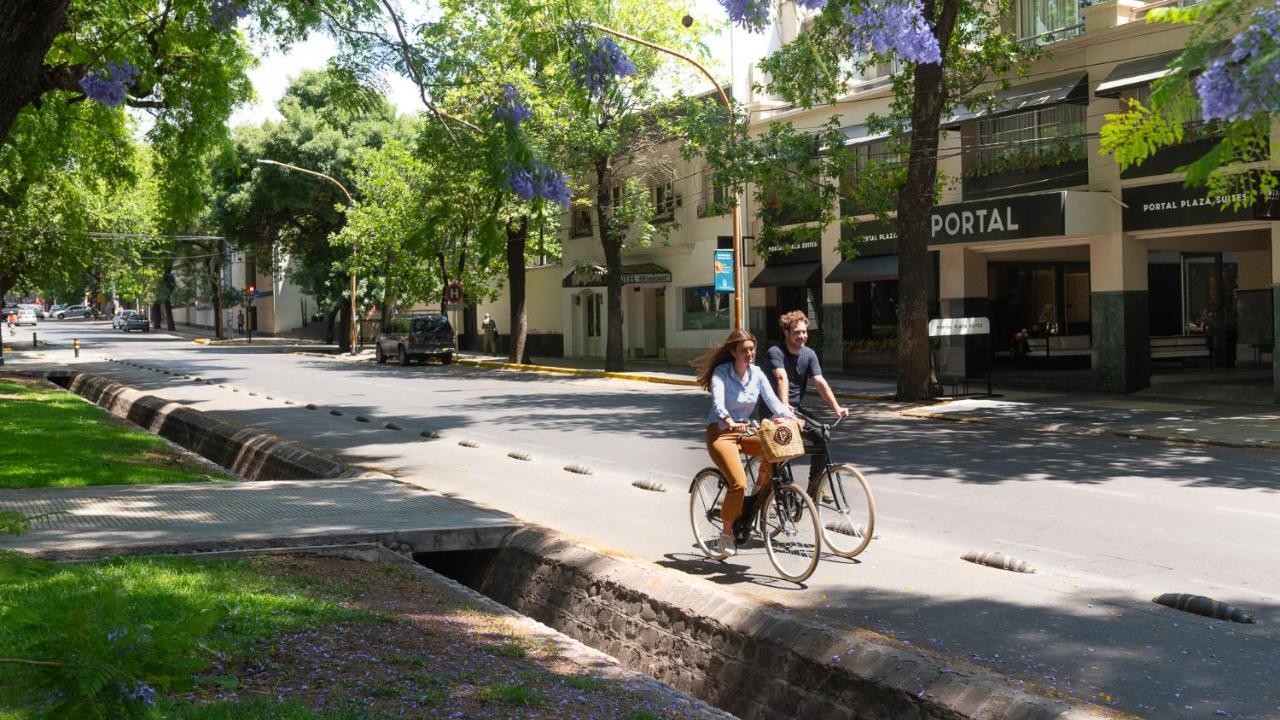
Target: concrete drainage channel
{"points": [[747, 658], [750, 659]]}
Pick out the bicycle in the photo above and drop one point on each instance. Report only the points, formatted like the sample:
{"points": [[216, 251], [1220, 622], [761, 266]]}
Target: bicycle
{"points": [[846, 507], [783, 515]]}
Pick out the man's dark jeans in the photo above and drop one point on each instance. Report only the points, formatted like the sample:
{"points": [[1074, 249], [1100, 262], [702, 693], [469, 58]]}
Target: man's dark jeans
{"points": [[815, 444]]}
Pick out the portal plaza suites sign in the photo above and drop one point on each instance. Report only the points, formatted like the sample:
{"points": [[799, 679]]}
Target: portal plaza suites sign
{"points": [[1170, 205]]}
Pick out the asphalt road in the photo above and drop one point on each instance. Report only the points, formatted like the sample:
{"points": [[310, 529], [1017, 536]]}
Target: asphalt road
{"points": [[1109, 522]]}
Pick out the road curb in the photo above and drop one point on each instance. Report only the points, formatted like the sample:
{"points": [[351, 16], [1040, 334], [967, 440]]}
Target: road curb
{"points": [[749, 657], [1063, 429], [636, 377]]}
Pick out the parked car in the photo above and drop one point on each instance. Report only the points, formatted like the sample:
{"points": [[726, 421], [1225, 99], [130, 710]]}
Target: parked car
{"points": [[416, 336], [26, 316], [10, 310], [75, 311], [37, 309], [55, 309], [117, 322], [137, 321]]}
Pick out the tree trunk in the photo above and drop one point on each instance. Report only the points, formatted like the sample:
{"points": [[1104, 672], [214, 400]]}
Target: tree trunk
{"points": [[168, 314], [611, 242], [328, 329], [517, 239], [915, 209], [27, 31], [344, 338], [7, 281], [216, 282]]}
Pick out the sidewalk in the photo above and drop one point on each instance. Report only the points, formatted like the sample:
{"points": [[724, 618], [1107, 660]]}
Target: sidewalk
{"points": [[1181, 421]]}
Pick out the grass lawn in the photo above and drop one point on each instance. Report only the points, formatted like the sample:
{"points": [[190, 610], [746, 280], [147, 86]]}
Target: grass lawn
{"points": [[52, 438], [118, 638], [280, 637]]}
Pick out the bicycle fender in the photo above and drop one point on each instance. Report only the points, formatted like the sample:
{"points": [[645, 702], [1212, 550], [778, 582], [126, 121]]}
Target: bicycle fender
{"points": [[713, 469]]}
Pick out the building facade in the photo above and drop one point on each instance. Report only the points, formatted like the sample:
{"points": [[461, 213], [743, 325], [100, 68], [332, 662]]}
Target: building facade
{"points": [[1077, 265]]}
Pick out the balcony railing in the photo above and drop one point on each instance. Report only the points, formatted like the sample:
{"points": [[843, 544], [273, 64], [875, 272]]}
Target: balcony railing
{"points": [[1053, 36], [1041, 22]]}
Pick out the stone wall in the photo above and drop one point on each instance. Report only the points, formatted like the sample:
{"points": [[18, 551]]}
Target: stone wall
{"points": [[748, 658]]}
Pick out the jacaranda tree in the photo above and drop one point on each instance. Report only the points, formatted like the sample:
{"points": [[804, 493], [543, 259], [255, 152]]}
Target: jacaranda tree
{"points": [[952, 53], [1224, 84]]}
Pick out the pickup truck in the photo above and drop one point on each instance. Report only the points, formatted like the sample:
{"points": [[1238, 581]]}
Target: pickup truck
{"points": [[416, 337]]}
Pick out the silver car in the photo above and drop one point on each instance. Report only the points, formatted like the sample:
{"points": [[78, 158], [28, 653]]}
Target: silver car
{"points": [[74, 311], [118, 321]]}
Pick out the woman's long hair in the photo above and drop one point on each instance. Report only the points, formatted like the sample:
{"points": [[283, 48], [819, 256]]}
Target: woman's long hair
{"points": [[708, 361]]}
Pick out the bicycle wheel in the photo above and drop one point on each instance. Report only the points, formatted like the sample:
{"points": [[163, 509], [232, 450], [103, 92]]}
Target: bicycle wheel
{"points": [[846, 510], [706, 495], [792, 536]]}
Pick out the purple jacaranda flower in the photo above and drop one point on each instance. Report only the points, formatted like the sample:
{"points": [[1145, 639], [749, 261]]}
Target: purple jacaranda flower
{"points": [[539, 181], [748, 14], [552, 185], [521, 182], [598, 64], [1243, 83], [511, 109], [117, 634], [1221, 97], [812, 4], [110, 85], [224, 14], [140, 692], [894, 26]]}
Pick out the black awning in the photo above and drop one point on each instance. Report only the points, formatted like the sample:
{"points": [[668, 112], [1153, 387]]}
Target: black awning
{"points": [[866, 269], [1135, 73], [858, 134], [638, 274], [1073, 88], [794, 275]]}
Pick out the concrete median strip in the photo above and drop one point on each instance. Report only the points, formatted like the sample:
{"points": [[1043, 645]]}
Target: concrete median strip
{"points": [[650, 485], [579, 469], [392, 426], [518, 455], [468, 444], [429, 434]]}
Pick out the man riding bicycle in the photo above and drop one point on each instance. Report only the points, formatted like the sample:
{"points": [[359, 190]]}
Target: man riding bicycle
{"points": [[789, 366]]}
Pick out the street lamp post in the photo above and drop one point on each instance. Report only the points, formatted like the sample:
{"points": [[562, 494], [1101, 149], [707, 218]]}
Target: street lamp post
{"points": [[350, 203], [739, 298]]}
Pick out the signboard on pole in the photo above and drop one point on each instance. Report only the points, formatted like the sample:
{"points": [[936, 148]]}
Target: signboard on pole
{"points": [[948, 327], [723, 270], [453, 293]]}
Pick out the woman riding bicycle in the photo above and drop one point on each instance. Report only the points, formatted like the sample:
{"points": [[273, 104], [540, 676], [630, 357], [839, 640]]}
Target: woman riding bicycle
{"points": [[728, 372]]}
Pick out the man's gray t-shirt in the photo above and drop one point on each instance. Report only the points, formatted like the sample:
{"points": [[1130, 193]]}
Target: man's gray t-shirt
{"points": [[799, 368]]}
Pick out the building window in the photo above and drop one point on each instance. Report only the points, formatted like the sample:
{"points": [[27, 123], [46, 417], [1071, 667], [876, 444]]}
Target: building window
{"points": [[714, 200], [857, 183], [703, 308], [595, 307], [1047, 21], [865, 74], [580, 221], [1029, 140], [664, 201]]}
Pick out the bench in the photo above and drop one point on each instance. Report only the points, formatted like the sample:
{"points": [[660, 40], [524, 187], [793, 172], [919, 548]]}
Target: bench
{"points": [[1179, 347], [1059, 346]]}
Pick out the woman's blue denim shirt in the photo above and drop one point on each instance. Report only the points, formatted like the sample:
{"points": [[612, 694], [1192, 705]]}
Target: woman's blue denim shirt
{"points": [[731, 396]]}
